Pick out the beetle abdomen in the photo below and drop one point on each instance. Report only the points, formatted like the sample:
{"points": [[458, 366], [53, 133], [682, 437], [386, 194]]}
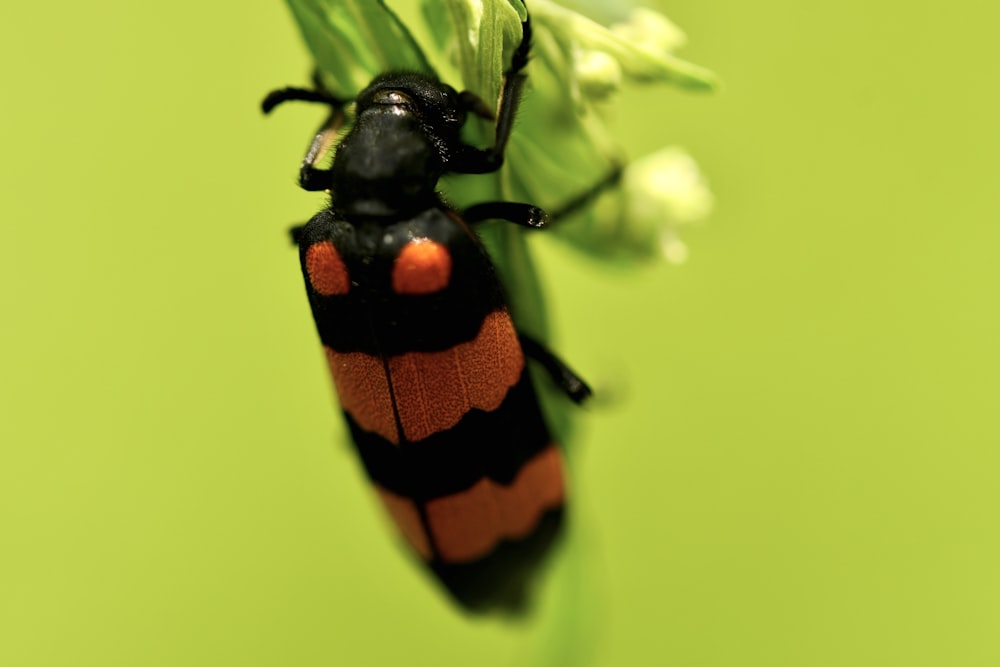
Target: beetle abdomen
{"points": [[433, 383]]}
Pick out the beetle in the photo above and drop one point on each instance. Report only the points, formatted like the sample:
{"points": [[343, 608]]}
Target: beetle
{"points": [[429, 368]]}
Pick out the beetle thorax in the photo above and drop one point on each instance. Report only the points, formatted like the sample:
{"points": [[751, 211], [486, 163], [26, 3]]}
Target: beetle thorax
{"points": [[386, 166]]}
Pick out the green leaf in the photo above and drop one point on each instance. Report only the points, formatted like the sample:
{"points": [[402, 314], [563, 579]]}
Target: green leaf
{"points": [[354, 40]]}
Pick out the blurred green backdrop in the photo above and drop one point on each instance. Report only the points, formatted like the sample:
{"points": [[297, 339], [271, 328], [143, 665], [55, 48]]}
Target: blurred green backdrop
{"points": [[800, 468]]}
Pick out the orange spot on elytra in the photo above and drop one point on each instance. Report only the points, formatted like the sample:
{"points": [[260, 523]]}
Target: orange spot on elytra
{"points": [[326, 269], [404, 513], [422, 267], [468, 525]]}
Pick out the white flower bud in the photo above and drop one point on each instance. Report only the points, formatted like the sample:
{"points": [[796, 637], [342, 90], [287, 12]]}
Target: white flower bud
{"points": [[598, 74]]}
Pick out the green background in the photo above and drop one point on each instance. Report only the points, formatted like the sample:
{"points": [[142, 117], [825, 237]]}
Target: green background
{"points": [[797, 464]]}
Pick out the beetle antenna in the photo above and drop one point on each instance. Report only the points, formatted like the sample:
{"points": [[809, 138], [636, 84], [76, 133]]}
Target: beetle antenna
{"points": [[282, 95]]}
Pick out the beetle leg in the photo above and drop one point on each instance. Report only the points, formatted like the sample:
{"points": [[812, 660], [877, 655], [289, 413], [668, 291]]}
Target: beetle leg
{"points": [[312, 178], [476, 105], [589, 196], [295, 232], [525, 215], [474, 160], [510, 95], [569, 382]]}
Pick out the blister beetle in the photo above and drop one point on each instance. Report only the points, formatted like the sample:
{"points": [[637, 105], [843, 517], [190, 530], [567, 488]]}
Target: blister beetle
{"points": [[428, 366]]}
